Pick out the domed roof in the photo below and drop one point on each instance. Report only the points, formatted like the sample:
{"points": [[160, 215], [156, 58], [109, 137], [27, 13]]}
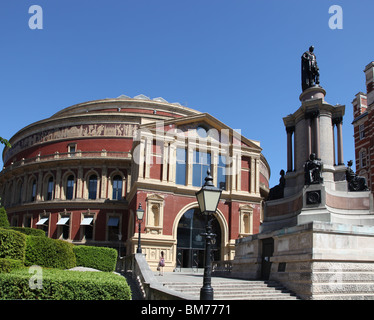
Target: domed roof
{"points": [[124, 103]]}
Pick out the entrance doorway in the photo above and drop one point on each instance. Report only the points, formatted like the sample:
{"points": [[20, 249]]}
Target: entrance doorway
{"points": [[190, 242], [267, 253]]}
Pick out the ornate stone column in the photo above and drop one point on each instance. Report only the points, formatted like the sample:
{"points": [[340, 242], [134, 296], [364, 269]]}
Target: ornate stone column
{"points": [[290, 131], [58, 184], [253, 175], [80, 182], [317, 149], [313, 128], [339, 133], [104, 180], [148, 157], [309, 132], [39, 186]]}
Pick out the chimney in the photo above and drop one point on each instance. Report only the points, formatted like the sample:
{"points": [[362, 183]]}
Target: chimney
{"points": [[359, 104], [369, 74]]}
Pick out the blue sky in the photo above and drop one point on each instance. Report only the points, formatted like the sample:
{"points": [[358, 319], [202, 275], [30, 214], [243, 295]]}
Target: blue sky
{"points": [[238, 60]]}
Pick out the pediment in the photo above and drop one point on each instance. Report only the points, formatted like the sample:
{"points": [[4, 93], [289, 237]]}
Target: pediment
{"points": [[154, 197], [245, 207], [203, 126]]}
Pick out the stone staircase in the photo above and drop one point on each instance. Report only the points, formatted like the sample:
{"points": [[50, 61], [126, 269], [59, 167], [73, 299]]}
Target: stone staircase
{"points": [[236, 290]]}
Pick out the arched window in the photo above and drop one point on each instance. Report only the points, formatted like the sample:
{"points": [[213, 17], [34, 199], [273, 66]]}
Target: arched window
{"points": [[190, 242], [33, 191], [92, 187], [19, 192], [117, 187], [50, 189], [69, 191]]}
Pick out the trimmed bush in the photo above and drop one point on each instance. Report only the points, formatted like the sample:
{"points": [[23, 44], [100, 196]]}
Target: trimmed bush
{"points": [[49, 253], [7, 265], [4, 222], [100, 258], [12, 244], [65, 285], [29, 231]]}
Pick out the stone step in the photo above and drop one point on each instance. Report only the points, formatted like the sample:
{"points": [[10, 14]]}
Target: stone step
{"points": [[237, 290], [248, 284], [230, 289], [256, 298]]}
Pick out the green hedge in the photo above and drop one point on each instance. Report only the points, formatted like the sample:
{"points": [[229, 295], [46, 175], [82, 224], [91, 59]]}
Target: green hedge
{"points": [[12, 244], [50, 253], [7, 265], [29, 231], [65, 285], [100, 258], [4, 222]]}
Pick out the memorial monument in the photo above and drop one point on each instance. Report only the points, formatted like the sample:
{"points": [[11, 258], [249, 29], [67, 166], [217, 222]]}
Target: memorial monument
{"points": [[317, 236]]}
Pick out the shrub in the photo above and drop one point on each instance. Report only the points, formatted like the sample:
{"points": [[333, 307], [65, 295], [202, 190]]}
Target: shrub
{"points": [[12, 244], [29, 231], [50, 253], [4, 222], [65, 285], [7, 265], [100, 258]]}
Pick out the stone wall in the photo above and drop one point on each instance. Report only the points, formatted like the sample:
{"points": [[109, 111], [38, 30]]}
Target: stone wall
{"points": [[315, 260]]}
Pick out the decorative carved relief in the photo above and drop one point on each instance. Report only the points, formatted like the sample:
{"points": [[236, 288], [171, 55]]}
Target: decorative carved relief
{"points": [[79, 131]]}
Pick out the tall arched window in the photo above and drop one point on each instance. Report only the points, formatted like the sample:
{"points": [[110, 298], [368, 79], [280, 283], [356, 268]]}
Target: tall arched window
{"points": [[117, 187], [33, 191], [19, 192], [92, 187], [69, 193], [50, 189]]}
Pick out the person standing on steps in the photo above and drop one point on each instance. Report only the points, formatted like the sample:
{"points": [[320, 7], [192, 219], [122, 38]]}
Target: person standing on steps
{"points": [[161, 264]]}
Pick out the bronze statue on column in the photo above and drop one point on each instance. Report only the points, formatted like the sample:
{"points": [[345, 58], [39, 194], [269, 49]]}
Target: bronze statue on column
{"points": [[309, 69]]}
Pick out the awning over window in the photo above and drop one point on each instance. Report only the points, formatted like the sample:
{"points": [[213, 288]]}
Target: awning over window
{"points": [[63, 221], [86, 222], [42, 222], [113, 222]]}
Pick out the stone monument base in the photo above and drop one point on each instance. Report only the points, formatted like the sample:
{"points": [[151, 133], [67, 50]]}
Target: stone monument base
{"points": [[318, 202], [317, 260]]}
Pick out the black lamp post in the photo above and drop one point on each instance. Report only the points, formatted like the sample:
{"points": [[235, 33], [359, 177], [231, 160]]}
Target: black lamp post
{"points": [[139, 216], [208, 198]]}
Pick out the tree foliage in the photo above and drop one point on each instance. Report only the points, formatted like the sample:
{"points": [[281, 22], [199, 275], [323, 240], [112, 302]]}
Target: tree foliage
{"points": [[5, 141]]}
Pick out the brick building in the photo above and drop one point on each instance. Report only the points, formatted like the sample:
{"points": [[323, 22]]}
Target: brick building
{"points": [[363, 123], [81, 174]]}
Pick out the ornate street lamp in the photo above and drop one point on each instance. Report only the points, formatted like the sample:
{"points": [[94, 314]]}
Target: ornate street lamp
{"points": [[208, 198], [139, 216]]}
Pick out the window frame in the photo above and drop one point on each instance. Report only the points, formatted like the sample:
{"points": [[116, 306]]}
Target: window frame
{"points": [[199, 169], [181, 167], [89, 184], [118, 191], [68, 188]]}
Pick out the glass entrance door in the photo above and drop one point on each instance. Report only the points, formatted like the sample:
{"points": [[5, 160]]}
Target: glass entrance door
{"points": [[191, 244]]}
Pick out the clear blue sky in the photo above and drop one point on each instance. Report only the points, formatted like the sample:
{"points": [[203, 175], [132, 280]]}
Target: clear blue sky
{"points": [[238, 60]]}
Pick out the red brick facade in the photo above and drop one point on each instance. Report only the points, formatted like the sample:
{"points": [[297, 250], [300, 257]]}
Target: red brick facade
{"points": [[363, 124], [81, 174]]}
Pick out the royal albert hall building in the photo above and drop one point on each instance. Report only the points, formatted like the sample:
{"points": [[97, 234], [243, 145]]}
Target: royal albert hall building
{"points": [[81, 174]]}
